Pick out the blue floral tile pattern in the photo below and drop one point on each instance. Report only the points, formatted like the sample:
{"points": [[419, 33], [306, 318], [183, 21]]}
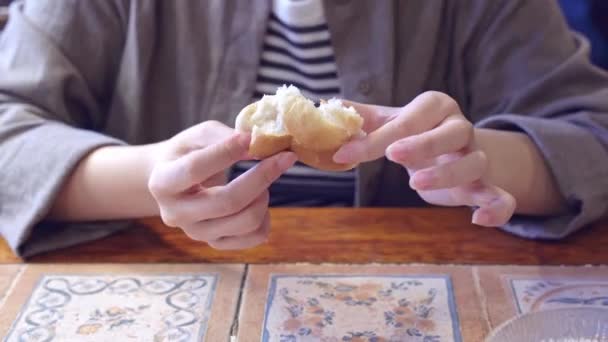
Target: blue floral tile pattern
{"points": [[355, 308], [116, 308], [542, 294]]}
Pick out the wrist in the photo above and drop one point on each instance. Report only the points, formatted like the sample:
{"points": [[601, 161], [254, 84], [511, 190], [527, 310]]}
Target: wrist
{"points": [[516, 165], [151, 155], [110, 183], [142, 160]]}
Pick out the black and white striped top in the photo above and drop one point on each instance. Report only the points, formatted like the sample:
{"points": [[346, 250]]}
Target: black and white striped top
{"points": [[297, 50]]}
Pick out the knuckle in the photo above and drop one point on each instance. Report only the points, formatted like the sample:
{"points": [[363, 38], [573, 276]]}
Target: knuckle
{"points": [[189, 168], [480, 162], [232, 149], [155, 185], [450, 105], [441, 100], [230, 202], [401, 111], [169, 218], [403, 125], [462, 125], [465, 127], [432, 97], [251, 220], [210, 124], [427, 145], [448, 174]]}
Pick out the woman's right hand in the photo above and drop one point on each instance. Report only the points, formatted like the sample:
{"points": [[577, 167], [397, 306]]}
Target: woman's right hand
{"points": [[188, 182]]}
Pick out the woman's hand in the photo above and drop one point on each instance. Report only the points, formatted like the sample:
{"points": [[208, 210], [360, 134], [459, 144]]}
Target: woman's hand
{"points": [[188, 182], [434, 141]]}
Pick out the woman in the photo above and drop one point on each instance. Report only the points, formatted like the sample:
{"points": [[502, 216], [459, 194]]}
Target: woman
{"points": [[112, 110]]}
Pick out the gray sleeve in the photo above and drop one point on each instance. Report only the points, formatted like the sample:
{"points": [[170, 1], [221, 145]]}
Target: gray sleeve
{"points": [[57, 61], [527, 72]]}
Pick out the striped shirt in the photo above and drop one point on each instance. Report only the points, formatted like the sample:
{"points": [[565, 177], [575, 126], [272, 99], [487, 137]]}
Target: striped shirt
{"points": [[297, 50]]}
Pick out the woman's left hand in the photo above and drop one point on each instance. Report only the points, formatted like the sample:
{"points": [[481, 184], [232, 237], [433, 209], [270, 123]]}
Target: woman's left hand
{"points": [[434, 141]]}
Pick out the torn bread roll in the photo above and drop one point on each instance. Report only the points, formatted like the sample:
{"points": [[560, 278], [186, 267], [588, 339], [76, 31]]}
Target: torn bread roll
{"points": [[289, 121]]}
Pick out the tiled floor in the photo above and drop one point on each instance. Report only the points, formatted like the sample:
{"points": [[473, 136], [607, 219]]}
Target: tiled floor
{"points": [[290, 303], [360, 303], [122, 303]]}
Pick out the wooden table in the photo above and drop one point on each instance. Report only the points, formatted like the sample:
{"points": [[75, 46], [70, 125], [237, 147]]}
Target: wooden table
{"points": [[320, 235]]}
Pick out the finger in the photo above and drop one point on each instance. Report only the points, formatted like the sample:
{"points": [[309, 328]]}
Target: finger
{"points": [[218, 179], [497, 212], [248, 186], [250, 240], [422, 114], [454, 134], [464, 170], [201, 135], [373, 116], [241, 223], [495, 205], [198, 165], [226, 200]]}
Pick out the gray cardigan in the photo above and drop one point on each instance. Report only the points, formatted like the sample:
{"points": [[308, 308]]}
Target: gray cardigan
{"points": [[76, 75]]}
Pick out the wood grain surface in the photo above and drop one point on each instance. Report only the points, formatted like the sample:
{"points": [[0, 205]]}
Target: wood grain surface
{"points": [[367, 235]]}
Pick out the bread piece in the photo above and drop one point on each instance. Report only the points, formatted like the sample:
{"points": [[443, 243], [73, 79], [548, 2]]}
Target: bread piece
{"points": [[289, 121]]}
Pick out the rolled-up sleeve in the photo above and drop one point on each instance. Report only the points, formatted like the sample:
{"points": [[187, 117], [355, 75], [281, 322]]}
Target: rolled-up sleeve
{"points": [[578, 162], [535, 77], [57, 59]]}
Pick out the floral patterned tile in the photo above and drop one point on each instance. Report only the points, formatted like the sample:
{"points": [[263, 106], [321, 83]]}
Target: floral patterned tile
{"points": [[301, 306], [360, 303], [541, 293], [123, 302], [514, 290]]}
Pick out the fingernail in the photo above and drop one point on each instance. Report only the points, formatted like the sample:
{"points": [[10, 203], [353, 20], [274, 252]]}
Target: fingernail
{"points": [[424, 179], [286, 160], [397, 151], [391, 155], [480, 218]]}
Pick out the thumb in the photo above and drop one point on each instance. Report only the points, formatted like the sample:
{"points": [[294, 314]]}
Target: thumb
{"points": [[373, 116]]}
